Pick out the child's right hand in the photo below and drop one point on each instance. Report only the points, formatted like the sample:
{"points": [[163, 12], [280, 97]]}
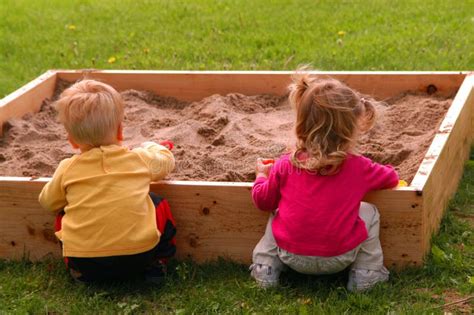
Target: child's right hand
{"points": [[263, 167]]}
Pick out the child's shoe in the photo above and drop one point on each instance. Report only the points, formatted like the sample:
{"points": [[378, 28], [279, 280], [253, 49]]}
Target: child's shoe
{"points": [[363, 279], [265, 275]]}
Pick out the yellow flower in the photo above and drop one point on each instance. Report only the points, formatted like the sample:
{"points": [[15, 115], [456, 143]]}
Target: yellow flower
{"points": [[341, 33], [112, 59], [71, 27]]}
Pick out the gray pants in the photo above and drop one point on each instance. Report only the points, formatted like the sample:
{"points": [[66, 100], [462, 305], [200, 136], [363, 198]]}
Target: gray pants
{"points": [[367, 255]]}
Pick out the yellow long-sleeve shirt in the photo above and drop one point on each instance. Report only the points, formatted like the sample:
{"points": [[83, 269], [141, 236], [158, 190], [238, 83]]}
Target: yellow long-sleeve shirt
{"points": [[104, 193]]}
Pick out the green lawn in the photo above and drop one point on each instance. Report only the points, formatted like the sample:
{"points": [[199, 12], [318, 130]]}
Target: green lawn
{"points": [[243, 35], [37, 35]]}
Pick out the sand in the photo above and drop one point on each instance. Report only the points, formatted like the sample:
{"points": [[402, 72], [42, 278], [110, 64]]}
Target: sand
{"points": [[219, 137], [403, 132]]}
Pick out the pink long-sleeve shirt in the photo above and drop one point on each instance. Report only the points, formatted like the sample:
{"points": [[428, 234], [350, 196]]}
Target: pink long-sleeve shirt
{"points": [[319, 215]]}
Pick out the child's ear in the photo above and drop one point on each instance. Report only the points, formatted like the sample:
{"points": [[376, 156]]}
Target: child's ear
{"points": [[72, 142], [120, 133]]}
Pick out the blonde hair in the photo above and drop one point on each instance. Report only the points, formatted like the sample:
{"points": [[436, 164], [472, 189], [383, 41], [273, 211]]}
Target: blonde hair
{"points": [[91, 112], [329, 115]]}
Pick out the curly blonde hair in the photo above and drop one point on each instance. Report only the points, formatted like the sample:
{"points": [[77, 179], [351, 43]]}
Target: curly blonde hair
{"points": [[329, 115]]}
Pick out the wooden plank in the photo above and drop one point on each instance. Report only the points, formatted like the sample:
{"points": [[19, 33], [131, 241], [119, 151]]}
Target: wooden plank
{"points": [[28, 98], [213, 220], [445, 160], [400, 225], [195, 85], [384, 86], [26, 230]]}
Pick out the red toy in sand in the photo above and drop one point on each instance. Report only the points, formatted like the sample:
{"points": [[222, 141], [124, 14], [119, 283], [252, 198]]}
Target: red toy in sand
{"points": [[167, 143], [268, 161]]}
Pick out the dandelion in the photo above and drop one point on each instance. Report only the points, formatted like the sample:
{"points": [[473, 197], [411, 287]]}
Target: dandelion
{"points": [[71, 27], [341, 33], [112, 59]]}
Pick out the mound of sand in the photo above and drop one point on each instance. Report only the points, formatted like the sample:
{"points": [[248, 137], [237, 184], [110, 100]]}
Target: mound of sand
{"points": [[403, 132], [219, 137]]}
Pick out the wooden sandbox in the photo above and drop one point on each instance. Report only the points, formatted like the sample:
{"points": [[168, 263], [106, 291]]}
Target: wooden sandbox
{"points": [[218, 219]]}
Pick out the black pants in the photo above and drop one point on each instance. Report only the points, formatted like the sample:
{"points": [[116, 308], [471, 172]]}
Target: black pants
{"points": [[129, 266]]}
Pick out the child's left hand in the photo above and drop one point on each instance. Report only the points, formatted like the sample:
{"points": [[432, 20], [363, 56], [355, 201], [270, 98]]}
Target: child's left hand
{"points": [[263, 167]]}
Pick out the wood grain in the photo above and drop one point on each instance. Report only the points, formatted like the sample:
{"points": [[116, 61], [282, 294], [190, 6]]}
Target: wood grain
{"points": [[195, 85], [213, 220]]}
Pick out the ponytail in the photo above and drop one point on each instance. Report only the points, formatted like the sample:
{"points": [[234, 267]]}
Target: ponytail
{"points": [[366, 113], [301, 82]]}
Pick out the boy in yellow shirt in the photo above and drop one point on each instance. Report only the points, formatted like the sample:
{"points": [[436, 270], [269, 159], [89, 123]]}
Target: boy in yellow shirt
{"points": [[110, 227]]}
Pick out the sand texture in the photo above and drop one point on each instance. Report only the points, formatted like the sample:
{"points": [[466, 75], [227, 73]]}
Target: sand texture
{"points": [[219, 137]]}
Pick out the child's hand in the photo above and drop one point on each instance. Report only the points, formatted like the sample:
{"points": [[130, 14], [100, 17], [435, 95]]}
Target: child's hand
{"points": [[263, 167], [167, 143]]}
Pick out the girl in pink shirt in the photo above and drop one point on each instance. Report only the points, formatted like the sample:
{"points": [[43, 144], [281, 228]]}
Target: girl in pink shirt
{"points": [[320, 224]]}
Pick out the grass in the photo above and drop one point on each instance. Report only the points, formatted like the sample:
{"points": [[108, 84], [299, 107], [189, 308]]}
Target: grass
{"points": [[235, 35], [232, 35]]}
